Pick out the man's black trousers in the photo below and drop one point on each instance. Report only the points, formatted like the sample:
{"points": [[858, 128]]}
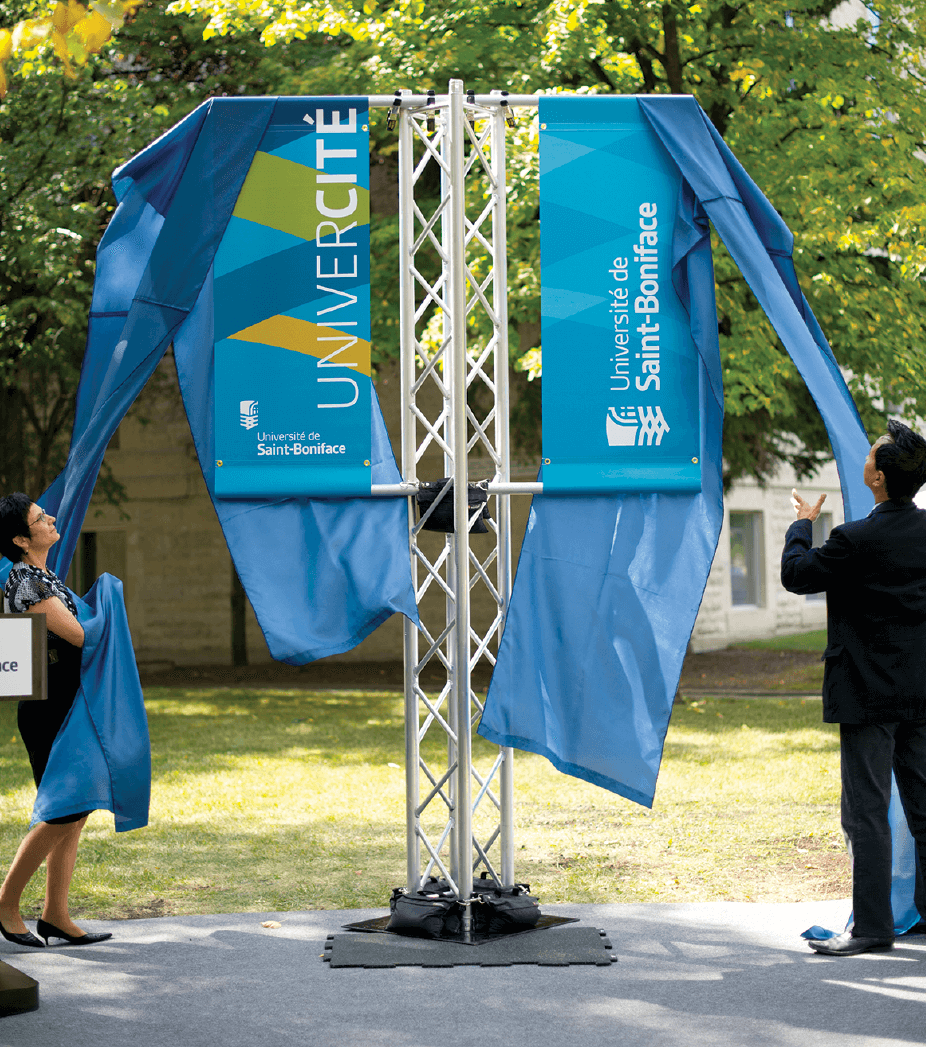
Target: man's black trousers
{"points": [[869, 752]]}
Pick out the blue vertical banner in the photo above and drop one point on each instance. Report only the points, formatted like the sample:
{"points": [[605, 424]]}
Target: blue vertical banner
{"points": [[620, 369], [292, 310]]}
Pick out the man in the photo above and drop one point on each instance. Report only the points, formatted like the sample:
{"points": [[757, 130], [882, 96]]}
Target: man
{"points": [[873, 572]]}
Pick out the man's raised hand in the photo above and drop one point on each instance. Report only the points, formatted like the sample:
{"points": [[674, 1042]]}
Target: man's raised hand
{"points": [[804, 510]]}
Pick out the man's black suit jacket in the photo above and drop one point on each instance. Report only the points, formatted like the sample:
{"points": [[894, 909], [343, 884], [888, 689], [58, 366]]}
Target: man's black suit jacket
{"points": [[873, 572]]}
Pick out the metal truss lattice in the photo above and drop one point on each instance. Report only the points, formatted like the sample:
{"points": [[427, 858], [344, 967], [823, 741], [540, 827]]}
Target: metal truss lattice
{"points": [[455, 427]]}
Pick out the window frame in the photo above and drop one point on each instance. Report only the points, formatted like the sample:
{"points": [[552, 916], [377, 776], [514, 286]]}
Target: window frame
{"points": [[753, 530]]}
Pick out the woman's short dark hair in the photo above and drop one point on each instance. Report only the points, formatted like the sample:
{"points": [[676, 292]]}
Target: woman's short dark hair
{"points": [[14, 523], [902, 459]]}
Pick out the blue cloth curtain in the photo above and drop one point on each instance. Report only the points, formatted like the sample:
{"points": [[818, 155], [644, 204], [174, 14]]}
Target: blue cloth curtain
{"points": [[320, 576], [608, 588], [607, 591], [101, 758]]}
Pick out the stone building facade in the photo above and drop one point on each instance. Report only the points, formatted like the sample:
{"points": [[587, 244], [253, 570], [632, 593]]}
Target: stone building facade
{"points": [[744, 599]]}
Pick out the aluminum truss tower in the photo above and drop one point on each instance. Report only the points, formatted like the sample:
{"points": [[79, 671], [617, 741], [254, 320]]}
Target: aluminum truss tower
{"points": [[454, 366]]}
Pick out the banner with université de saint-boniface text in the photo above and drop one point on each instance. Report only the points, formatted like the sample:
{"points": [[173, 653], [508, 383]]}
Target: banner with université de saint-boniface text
{"points": [[292, 310], [620, 372]]}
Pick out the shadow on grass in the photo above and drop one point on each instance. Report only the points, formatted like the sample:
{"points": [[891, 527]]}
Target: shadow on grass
{"points": [[341, 728], [771, 715], [200, 867]]}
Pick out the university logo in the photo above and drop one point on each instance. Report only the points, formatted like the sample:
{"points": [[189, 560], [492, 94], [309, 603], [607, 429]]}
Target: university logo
{"points": [[635, 426], [248, 413]]}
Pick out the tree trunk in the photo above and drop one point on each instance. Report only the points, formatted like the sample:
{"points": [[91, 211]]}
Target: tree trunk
{"points": [[12, 440], [672, 61], [239, 600]]}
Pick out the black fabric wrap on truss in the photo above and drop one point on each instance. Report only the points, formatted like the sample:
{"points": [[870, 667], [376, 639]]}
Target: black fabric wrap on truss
{"points": [[442, 517]]}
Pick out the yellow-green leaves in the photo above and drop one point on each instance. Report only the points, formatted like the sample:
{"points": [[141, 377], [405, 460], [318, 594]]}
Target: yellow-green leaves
{"points": [[73, 31]]}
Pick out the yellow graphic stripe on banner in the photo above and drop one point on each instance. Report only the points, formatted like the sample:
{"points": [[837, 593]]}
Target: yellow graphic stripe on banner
{"points": [[300, 336], [284, 195]]}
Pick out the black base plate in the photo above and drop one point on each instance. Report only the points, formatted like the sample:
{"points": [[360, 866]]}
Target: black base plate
{"points": [[18, 992], [380, 925], [559, 948]]}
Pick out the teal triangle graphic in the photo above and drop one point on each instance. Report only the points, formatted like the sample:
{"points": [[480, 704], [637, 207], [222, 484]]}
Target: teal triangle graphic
{"points": [[556, 151], [359, 312], [558, 303], [245, 242], [642, 148], [565, 232], [299, 150]]}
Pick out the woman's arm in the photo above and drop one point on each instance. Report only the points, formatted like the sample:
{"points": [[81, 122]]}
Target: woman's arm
{"points": [[59, 620]]}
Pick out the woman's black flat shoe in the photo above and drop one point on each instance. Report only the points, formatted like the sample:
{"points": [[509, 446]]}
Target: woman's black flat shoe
{"points": [[47, 930], [21, 939]]}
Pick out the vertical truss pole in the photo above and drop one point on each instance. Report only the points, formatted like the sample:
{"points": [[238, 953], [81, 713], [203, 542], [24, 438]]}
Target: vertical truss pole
{"points": [[460, 693], [503, 501], [409, 472], [447, 414]]}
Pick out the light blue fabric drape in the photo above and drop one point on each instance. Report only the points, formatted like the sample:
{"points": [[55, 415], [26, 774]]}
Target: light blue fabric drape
{"points": [[320, 576], [607, 589], [174, 201], [761, 245], [101, 758]]}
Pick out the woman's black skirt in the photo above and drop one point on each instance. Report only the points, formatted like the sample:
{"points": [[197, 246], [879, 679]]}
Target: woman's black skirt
{"points": [[39, 722]]}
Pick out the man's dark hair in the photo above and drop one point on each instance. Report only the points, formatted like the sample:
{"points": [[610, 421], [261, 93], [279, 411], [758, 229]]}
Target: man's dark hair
{"points": [[902, 459], [14, 523]]}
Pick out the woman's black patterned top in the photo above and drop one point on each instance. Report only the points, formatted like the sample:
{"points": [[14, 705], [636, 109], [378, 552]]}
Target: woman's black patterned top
{"points": [[28, 585]]}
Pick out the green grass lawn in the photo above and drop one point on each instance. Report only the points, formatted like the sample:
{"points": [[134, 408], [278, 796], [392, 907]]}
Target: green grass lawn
{"points": [[270, 800], [813, 641]]}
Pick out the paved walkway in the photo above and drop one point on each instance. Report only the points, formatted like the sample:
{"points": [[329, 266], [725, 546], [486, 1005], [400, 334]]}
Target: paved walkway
{"points": [[723, 974]]}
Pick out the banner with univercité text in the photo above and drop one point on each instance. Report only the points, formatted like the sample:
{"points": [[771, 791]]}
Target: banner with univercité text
{"points": [[292, 311]]}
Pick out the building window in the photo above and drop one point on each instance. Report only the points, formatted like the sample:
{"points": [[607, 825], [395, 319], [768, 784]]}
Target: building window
{"points": [[746, 559], [821, 531]]}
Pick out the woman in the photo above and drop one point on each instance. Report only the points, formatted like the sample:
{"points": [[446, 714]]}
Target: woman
{"points": [[26, 535]]}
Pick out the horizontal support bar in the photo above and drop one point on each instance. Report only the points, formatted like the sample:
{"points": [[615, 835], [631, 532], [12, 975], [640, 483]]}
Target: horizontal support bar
{"points": [[402, 490], [516, 488], [407, 489], [418, 101]]}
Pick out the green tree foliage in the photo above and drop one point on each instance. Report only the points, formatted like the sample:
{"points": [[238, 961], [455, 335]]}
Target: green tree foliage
{"points": [[821, 102], [61, 136], [69, 30]]}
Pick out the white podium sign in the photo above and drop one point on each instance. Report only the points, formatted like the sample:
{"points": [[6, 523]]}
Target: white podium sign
{"points": [[23, 654]]}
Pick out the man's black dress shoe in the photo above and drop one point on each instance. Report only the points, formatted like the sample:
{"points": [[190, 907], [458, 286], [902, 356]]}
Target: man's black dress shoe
{"points": [[21, 939], [846, 945], [47, 930]]}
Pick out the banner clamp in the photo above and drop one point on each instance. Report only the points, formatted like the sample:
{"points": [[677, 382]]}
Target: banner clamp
{"points": [[507, 110], [392, 117]]}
